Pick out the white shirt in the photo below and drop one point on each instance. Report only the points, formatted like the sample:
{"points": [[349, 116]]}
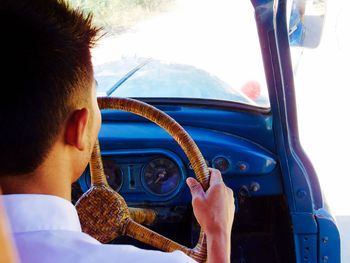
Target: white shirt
{"points": [[47, 229]]}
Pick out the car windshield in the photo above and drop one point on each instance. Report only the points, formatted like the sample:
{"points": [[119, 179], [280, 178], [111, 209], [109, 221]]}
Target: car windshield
{"points": [[200, 49]]}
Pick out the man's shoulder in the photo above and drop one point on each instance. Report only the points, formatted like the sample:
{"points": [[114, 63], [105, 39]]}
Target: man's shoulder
{"points": [[128, 253], [70, 246]]}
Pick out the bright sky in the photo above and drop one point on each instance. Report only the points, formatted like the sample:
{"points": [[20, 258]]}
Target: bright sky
{"points": [[323, 93]]}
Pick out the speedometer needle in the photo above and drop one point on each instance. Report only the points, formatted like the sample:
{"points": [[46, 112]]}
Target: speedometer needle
{"points": [[160, 177]]}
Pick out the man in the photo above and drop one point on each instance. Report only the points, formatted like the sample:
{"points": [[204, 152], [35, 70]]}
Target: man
{"points": [[50, 121]]}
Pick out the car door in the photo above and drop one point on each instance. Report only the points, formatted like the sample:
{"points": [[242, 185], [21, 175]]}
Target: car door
{"points": [[316, 235]]}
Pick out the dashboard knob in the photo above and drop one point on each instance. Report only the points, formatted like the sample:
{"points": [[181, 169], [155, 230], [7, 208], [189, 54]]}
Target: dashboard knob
{"points": [[242, 167], [254, 187], [243, 191]]}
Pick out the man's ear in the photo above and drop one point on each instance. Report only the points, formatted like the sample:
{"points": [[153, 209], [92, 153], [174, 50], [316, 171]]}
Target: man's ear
{"points": [[76, 128]]}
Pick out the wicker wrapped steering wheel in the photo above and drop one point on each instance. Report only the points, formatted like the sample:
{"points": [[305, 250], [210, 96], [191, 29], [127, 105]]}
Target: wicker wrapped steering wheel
{"points": [[104, 214]]}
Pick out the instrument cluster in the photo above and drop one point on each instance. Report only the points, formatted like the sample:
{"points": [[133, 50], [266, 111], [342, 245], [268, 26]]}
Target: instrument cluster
{"points": [[156, 174], [159, 176], [147, 175]]}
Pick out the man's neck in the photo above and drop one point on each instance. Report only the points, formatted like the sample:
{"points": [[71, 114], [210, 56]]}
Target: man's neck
{"points": [[52, 177], [26, 184]]}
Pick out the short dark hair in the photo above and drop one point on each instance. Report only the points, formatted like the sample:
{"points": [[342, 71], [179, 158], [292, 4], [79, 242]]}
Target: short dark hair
{"points": [[46, 73]]}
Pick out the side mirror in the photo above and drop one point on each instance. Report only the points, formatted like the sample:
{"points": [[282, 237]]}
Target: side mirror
{"points": [[306, 22]]}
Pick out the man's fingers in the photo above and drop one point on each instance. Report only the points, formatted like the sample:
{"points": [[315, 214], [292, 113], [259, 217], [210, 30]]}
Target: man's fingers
{"points": [[215, 176], [195, 187]]}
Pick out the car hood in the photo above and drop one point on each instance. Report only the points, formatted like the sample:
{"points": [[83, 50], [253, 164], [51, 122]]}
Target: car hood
{"points": [[140, 77]]}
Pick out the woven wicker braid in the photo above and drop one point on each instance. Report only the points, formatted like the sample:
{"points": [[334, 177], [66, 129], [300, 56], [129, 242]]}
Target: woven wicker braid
{"points": [[142, 216], [104, 213]]}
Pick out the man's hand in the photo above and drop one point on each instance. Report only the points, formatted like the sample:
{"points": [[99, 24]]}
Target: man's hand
{"points": [[214, 210]]}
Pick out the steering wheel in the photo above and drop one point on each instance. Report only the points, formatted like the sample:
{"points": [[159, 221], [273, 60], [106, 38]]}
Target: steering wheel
{"points": [[104, 214]]}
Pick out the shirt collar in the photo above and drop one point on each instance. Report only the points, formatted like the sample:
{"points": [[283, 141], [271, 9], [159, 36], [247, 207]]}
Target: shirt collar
{"points": [[31, 212]]}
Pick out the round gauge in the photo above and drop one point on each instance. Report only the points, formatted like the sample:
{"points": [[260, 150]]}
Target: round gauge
{"points": [[161, 176], [221, 163], [113, 174]]}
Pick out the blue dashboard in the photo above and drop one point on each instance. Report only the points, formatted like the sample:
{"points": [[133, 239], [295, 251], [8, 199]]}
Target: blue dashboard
{"points": [[147, 167]]}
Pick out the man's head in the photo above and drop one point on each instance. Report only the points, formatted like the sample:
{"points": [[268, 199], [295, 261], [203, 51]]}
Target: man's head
{"points": [[47, 81]]}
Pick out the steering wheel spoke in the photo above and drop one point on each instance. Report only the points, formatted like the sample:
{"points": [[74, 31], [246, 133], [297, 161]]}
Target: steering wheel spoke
{"points": [[156, 240]]}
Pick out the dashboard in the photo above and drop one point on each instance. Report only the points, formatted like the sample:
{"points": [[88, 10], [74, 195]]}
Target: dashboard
{"points": [[147, 167]]}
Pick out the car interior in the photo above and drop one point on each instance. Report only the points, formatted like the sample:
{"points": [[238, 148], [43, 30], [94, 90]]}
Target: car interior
{"points": [[279, 208], [149, 145], [148, 168]]}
